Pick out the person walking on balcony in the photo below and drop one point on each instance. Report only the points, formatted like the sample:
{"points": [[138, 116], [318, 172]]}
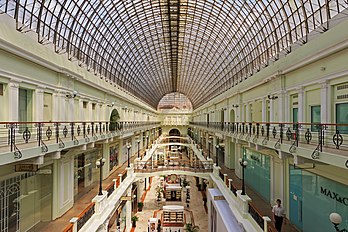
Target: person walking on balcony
{"points": [[278, 215]]}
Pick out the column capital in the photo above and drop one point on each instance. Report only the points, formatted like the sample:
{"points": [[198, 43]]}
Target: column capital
{"points": [[13, 84], [324, 84], [39, 90], [300, 90]]}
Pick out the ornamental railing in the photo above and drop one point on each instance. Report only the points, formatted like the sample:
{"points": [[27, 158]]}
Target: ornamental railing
{"points": [[85, 216], [317, 136], [256, 215], [18, 135], [173, 164]]}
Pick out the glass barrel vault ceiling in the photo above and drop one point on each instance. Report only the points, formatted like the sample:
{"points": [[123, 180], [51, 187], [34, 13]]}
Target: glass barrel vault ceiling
{"points": [[155, 47]]}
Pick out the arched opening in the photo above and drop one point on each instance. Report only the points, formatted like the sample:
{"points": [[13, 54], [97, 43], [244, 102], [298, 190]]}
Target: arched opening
{"points": [[114, 117], [174, 132], [175, 102], [232, 116]]}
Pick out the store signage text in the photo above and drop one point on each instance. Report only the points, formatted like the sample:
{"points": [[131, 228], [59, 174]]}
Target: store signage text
{"points": [[26, 168], [334, 196]]}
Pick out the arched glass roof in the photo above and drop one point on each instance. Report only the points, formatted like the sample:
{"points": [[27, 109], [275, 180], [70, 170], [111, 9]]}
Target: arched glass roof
{"points": [[200, 48], [175, 101]]}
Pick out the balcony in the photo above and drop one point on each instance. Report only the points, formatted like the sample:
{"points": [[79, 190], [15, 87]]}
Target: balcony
{"points": [[48, 137], [321, 142], [173, 165]]}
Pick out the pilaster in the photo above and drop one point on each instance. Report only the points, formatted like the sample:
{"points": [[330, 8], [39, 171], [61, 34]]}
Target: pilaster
{"points": [[13, 98], [129, 211], [89, 111], [264, 109], [81, 115], [39, 104], [301, 105], [325, 106]]}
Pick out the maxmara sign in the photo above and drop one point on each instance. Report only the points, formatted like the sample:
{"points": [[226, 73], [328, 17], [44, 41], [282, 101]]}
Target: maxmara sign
{"points": [[334, 196]]}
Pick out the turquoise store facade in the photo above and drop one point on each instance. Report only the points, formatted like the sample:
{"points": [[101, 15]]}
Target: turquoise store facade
{"points": [[257, 173], [313, 198]]}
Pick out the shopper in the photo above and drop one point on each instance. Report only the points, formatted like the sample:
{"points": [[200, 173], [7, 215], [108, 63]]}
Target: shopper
{"points": [[278, 215]]}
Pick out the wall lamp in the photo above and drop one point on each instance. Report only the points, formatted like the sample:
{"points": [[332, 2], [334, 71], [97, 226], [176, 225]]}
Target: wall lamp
{"points": [[235, 105], [112, 104], [272, 97], [124, 108], [336, 219], [71, 95]]}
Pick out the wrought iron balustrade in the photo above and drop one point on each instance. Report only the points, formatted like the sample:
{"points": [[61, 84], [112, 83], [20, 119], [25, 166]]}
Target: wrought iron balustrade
{"points": [[318, 136], [110, 188], [173, 164], [18, 135], [256, 215], [85, 216]]}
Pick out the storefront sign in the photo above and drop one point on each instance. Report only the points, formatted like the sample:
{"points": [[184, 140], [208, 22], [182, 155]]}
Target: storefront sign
{"points": [[334, 196], [26, 167], [219, 198], [126, 198]]}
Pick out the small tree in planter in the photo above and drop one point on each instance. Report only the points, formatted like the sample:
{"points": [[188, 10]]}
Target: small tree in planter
{"points": [[140, 206], [159, 192], [191, 228], [185, 183], [134, 220]]}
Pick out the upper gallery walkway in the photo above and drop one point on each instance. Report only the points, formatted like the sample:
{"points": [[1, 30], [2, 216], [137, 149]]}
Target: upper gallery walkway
{"points": [[24, 140], [313, 141], [158, 160]]}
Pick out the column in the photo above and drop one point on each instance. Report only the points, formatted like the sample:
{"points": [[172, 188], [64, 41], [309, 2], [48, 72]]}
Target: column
{"points": [[89, 112], [71, 109], [264, 109], [55, 106], [39, 103], [213, 148], [271, 111], [247, 112], [272, 173], [129, 211], [227, 152], [287, 110], [242, 115], [134, 146], [13, 98], [301, 106], [281, 106], [81, 116], [58, 111], [325, 103], [238, 169], [106, 155]]}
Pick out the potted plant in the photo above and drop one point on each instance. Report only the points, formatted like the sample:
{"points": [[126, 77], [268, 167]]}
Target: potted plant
{"points": [[159, 192], [134, 220], [191, 228], [140, 206], [185, 183]]}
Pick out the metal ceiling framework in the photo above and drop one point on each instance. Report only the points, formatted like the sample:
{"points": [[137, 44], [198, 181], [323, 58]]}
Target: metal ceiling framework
{"points": [[155, 47]]}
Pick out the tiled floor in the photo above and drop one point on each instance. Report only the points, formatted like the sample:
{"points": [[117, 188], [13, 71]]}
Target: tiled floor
{"points": [[150, 206]]}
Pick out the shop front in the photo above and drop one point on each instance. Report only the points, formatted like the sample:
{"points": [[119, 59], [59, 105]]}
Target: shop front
{"points": [[113, 155], [26, 200], [313, 198], [257, 173], [86, 174]]}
